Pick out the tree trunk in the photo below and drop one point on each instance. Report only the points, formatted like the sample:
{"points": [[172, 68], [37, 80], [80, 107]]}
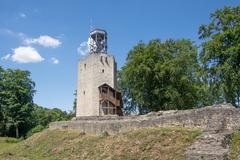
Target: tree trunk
{"points": [[238, 97], [238, 103], [17, 132], [5, 130]]}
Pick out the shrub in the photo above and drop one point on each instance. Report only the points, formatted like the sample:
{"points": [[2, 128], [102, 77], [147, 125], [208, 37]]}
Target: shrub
{"points": [[12, 140], [36, 129]]}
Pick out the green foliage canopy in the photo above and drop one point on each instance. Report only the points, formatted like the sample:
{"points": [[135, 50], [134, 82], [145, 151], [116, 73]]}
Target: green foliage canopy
{"points": [[17, 90], [43, 116], [220, 54], [161, 76], [18, 114]]}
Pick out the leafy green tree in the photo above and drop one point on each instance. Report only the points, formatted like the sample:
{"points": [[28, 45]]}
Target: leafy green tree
{"points": [[18, 114], [43, 116], [161, 76], [220, 54], [75, 102], [17, 98], [2, 124], [130, 104]]}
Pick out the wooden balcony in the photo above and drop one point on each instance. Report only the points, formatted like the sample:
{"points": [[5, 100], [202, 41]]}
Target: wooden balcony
{"points": [[110, 100], [104, 97]]}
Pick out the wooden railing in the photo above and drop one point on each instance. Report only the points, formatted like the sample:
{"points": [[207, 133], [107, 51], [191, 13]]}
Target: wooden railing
{"points": [[104, 96]]}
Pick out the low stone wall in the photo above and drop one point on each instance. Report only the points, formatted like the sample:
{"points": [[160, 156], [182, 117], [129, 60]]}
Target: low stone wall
{"points": [[210, 118]]}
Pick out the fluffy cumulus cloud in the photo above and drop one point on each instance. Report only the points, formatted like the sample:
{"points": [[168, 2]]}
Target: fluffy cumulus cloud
{"points": [[45, 41], [83, 48], [26, 54], [54, 60]]}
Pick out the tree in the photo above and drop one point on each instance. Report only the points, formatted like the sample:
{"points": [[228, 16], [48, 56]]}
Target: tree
{"points": [[17, 98], [43, 116], [75, 102], [220, 54], [2, 124], [161, 76], [130, 105], [18, 114]]}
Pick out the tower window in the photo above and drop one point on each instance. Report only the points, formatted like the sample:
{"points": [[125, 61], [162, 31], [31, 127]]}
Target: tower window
{"points": [[85, 65], [102, 70], [106, 60], [101, 59], [84, 92]]}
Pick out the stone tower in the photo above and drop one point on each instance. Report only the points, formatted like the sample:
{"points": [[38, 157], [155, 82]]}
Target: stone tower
{"points": [[97, 69]]}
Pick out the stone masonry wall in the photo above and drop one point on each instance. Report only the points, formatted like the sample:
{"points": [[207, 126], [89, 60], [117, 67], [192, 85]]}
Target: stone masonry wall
{"points": [[211, 118]]}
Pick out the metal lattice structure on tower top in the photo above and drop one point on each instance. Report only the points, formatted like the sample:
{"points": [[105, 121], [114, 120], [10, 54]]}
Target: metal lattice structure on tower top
{"points": [[98, 41]]}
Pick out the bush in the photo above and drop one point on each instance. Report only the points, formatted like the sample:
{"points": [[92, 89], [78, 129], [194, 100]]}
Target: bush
{"points": [[36, 129], [12, 140]]}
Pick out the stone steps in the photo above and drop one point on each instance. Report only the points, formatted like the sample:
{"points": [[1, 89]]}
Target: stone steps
{"points": [[210, 146]]}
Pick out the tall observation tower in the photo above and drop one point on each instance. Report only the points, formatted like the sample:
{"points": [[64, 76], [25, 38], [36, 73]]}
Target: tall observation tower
{"points": [[96, 88]]}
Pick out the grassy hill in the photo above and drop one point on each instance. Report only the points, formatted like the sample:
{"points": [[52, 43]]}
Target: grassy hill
{"points": [[153, 143], [235, 147]]}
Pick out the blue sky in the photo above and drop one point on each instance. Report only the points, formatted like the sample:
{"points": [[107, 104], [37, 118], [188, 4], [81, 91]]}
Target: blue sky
{"points": [[45, 37]]}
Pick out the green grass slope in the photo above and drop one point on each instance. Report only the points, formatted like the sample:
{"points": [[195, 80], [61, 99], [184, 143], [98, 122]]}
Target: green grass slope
{"points": [[151, 143], [235, 147]]}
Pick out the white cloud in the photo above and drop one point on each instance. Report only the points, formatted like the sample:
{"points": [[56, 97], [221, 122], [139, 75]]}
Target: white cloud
{"points": [[6, 57], [54, 60], [44, 40], [83, 48], [24, 54], [22, 15], [28, 54], [12, 33]]}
